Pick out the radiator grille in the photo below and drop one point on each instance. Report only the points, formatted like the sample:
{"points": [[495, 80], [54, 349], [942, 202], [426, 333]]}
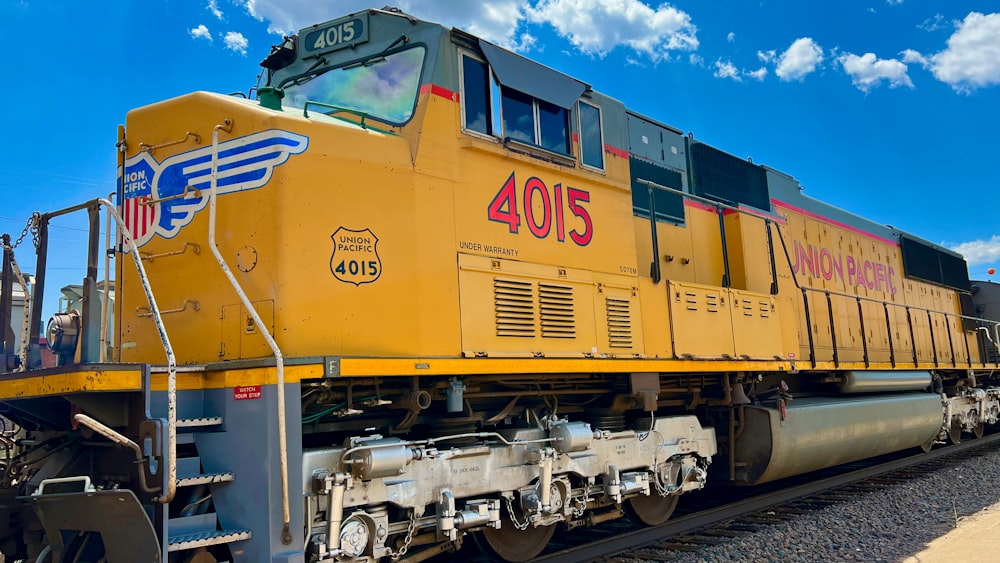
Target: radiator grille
{"points": [[555, 304], [514, 303], [619, 322]]}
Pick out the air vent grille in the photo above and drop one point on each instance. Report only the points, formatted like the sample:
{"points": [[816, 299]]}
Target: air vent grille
{"points": [[556, 311], [619, 322], [514, 304]]}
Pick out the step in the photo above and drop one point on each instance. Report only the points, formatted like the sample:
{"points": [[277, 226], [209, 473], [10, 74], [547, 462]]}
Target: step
{"points": [[203, 422], [186, 525], [188, 466], [202, 539], [206, 478]]}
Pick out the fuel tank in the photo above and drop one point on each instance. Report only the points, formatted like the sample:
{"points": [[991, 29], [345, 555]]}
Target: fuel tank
{"points": [[826, 431], [884, 381]]}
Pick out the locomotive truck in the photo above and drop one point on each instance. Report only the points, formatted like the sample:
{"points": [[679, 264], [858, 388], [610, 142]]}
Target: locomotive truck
{"points": [[419, 290]]}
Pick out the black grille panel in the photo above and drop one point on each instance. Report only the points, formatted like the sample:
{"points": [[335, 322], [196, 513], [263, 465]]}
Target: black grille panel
{"points": [[723, 177], [929, 264], [669, 207]]}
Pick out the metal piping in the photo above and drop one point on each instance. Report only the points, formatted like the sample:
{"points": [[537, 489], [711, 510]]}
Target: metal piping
{"points": [[103, 354], [167, 348], [119, 439], [26, 306], [286, 534]]}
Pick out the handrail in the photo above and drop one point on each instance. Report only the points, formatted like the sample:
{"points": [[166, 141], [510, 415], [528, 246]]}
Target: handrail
{"points": [[103, 353], [727, 274], [167, 348], [828, 293], [362, 114], [886, 304], [286, 534]]}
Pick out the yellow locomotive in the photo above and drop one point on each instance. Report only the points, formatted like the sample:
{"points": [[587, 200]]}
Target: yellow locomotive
{"points": [[423, 288]]}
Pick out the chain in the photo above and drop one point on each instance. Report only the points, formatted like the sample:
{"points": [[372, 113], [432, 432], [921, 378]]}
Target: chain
{"points": [[513, 519], [406, 541], [32, 227]]}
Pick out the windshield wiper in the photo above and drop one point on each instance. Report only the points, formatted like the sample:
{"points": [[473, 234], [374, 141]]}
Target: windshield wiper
{"points": [[381, 56]]}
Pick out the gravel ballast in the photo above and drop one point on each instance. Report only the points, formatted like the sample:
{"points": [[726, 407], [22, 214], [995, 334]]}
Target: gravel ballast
{"points": [[888, 524]]}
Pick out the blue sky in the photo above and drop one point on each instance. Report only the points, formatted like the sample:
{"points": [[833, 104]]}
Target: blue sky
{"points": [[886, 108]]}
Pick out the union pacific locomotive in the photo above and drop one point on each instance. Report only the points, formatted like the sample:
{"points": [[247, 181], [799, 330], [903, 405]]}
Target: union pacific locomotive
{"points": [[421, 291]]}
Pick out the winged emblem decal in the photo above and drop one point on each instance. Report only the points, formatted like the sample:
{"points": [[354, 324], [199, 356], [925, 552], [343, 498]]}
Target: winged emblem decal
{"points": [[160, 198]]}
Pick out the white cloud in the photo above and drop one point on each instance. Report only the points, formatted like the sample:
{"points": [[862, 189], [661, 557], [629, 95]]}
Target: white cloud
{"points": [[213, 7], [800, 60], [932, 24], [200, 32], [499, 21], [726, 69], [867, 71], [767, 56], [980, 251], [911, 56], [731, 37], [696, 59], [757, 75], [972, 59], [894, 2], [235, 41], [594, 27]]}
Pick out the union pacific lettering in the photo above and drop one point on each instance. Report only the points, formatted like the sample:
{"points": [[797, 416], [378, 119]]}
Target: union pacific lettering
{"points": [[852, 272]]}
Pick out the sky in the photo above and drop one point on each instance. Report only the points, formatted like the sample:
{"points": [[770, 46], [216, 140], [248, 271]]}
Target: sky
{"points": [[886, 108]]}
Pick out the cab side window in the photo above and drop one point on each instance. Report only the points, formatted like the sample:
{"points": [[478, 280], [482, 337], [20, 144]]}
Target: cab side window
{"points": [[533, 121], [476, 114], [591, 136]]}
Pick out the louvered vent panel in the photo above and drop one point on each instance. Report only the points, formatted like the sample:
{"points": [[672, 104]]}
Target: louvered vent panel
{"points": [[556, 309], [619, 323], [514, 302]]}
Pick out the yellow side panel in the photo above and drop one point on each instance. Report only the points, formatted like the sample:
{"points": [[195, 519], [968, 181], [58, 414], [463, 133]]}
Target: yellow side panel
{"points": [[756, 326], [241, 337], [514, 308], [655, 315], [706, 245], [700, 321], [749, 259], [620, 331]]}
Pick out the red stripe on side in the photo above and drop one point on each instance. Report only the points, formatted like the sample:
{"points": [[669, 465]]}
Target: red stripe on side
{"points": [[439, 91], [694, 204], [616, 151], [699, 205], [763, 215], [833, 222]]}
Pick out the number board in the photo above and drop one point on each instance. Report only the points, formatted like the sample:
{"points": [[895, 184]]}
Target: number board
{"points": [[337, 35]]}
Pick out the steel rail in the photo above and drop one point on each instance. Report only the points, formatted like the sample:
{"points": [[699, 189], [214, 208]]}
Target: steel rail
{"points": [[700, 520]]}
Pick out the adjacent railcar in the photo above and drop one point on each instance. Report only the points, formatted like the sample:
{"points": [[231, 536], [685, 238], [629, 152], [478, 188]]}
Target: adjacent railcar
{"points": [[423, 289]]}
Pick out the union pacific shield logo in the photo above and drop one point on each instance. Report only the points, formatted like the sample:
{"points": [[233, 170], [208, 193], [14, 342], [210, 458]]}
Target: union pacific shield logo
{"points": [[355, 256], [161, 198]]}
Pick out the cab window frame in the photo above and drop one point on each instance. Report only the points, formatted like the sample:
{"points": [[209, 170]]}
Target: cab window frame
{"points": [[496, 125], [489, 96], [582, 140]]}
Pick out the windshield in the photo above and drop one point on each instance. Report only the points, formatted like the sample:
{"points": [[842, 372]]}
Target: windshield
{"points": [[384, 87]]}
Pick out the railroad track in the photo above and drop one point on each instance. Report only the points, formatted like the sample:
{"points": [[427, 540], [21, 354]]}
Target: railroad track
{"points": [[723, 522]]}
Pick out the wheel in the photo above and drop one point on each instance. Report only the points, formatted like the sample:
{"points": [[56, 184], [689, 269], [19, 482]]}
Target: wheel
{"points": [[955, 433], [651, 510], [511, 544], [979, 430]]}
